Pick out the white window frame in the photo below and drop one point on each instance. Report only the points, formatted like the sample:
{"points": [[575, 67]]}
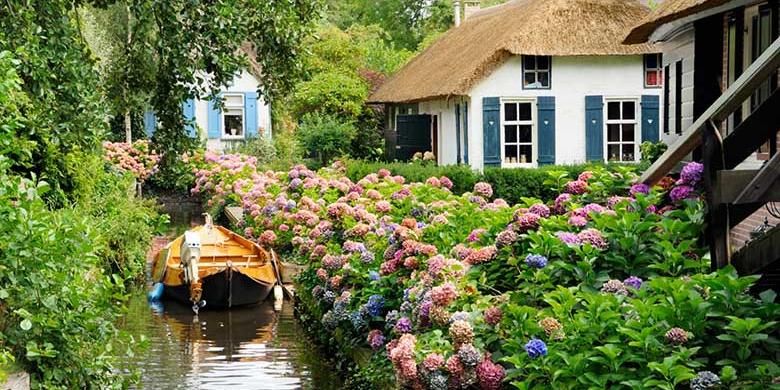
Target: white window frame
{"points": [[659, 70], [534, 133], [536, 71], [226, 106], [636, 122]]}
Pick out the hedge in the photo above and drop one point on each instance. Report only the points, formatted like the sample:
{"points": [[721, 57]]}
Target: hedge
{"points": [[511, 184]]}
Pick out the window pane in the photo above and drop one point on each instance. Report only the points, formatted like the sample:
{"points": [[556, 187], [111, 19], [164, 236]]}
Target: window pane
{"points": [[526, 154], [629, 110], [613, 110], [628, 152], [510, 154], [543, 62], [525, 111], [529, 62], [651, 78], [544, 79], [234, 100], [510, 134], [628, 133], [525, 133], [613, 133], [613, 152], [530, 79], [234, 124], [510, 111], [651, 61]]}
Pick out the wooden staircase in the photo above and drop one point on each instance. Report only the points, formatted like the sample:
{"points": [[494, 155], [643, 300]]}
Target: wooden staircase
{"points": [[733, 195]]}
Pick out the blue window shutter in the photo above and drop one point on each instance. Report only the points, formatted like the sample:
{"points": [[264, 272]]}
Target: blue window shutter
{"points": [[491, 121], [650, 115], [150, 123], [594, 128], [214, 120], [545, 106], [466, 133], [250, 113], [189, 117], [457, 133]]}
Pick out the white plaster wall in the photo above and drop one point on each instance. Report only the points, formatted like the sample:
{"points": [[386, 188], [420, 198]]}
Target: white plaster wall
{"points": [[572, 78], [679, 47], [244, 82]]}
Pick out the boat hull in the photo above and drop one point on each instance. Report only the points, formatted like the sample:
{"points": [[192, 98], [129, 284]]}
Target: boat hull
{"points": [[224, 289]]}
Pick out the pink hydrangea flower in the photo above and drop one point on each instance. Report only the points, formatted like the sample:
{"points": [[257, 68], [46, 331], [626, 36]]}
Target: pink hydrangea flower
{"points": [[594, 238], [444, 295], [540, 209], [483, 189], [576, 187]]}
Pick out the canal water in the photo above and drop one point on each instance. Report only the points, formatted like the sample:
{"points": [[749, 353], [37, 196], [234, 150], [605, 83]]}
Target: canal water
{"points": [[245, 348]]}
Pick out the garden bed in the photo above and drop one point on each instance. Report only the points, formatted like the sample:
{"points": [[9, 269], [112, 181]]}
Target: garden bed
{"points": [[603, 285]]}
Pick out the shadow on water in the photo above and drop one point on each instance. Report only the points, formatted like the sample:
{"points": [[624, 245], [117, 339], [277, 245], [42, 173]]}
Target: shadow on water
{"points": [[245, 348]]}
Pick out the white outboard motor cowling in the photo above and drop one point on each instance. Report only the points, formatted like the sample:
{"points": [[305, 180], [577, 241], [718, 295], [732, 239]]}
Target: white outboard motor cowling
{"points": [[190, 255]]}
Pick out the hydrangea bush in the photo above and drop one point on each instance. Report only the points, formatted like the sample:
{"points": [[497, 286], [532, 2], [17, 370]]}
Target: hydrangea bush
{"points": [[136, 158], [605, 286]]}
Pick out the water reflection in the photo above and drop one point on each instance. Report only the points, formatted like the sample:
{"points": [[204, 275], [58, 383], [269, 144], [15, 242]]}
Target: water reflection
{"points": [[249, 348]]}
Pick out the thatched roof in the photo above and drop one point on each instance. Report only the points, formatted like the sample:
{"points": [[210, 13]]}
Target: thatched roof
{"points": [[466, 54], [668, 11]]}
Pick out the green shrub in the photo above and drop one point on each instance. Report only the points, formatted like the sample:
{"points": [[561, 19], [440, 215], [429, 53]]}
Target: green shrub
{"points": [[259, 147], [325, 137], [462, 176]]}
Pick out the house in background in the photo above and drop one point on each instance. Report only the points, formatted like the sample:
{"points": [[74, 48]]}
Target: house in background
{"points": [[529, 83], [722, 59], [244, 114]]}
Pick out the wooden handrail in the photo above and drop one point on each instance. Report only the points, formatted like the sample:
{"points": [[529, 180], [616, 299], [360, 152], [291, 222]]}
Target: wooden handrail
{"points": [[726, 104]]}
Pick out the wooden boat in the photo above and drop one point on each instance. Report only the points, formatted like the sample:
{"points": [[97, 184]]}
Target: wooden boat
{"points": [[231, 270]]}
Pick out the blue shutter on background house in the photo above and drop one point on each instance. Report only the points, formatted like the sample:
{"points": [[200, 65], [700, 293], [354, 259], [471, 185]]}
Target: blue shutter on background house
{"points": [[650, 115], [466, 133], [214, 120], [150, 123], [545, 106], [594, 128], [250, 113], [491, 120], [188, 107]]}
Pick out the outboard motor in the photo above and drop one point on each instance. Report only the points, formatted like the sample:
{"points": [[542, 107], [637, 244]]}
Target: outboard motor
{"points": [[190, 256]]}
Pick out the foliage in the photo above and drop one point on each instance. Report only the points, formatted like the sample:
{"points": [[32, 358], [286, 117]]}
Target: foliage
{"points": [[462, 176], [259, 147], [602, 287], [325, 137], [651, 151], [60, 305], [63, 109]]}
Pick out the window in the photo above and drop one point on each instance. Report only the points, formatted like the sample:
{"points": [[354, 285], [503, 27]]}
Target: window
{"points": [[517, 137], [233, 116], [621, 127], [653, 70], [678, 81], [536, 72]]}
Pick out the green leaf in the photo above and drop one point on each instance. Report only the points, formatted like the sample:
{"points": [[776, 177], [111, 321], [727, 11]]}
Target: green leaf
{"points": [[768, 296]]}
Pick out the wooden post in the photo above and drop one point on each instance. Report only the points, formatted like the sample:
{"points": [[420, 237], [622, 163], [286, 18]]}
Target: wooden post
{"points": [[717, 232]]}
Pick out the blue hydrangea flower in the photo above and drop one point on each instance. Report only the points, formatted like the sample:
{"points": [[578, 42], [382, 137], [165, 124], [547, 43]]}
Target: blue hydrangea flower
{"points": [[375, 305], [633, 282], [366, 256], [536, 261], [373, 275], [459, 316], [536, 348], [357, 319]]}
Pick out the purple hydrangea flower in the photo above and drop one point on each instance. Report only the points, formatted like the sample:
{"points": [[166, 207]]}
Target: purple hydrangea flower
{"points": [[536, 348], [691, 173], [639, 188], [681, 193], [403, 325], [375, 305], [569, 238], [633, 282], [536, 261]]}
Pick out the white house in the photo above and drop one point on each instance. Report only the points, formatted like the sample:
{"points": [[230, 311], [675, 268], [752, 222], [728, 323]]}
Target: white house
{"points": [[244, 115], [529, 83]]}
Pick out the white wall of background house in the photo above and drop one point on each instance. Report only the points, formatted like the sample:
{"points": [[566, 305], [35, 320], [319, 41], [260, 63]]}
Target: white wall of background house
{"points": [[678, 60], [251, 114], [572, 79]]}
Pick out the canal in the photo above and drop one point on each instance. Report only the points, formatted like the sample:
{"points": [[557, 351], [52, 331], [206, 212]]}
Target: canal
{"points": [[245, 348]]}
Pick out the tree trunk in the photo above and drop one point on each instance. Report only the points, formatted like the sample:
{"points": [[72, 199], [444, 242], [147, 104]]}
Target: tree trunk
{"points": [[128, 128]]}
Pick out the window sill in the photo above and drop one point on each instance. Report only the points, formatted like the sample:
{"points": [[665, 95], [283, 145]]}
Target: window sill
{"points": [[654, 86], [518, 165], [232, 137]]}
